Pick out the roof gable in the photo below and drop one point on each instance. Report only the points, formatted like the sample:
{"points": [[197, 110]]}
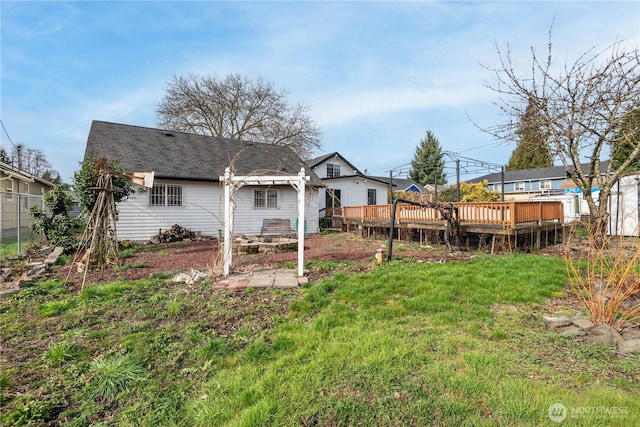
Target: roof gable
{"points": [[179, 155], [324, 158]]}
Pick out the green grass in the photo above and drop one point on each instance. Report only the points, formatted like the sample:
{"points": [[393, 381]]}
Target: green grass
{"points": [[460, 343], [59, 352], [113, 374], [9, 247]]}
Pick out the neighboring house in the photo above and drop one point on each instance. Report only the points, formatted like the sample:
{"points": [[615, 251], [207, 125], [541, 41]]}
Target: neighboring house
{"points": [[624, 206], [345, 185], [187, 188], [543, 184], [18, 191], [523, 184], [404, 185]]}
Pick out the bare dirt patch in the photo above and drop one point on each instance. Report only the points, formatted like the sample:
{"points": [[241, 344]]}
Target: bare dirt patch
{"points": [[204, 255]]}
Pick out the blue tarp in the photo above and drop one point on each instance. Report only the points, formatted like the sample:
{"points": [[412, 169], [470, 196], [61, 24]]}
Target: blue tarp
{"points": [[577, 190]]}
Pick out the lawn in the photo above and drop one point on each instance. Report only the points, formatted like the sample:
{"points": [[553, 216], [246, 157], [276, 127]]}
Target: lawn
{"points": [[408, 343], [9, 247]]}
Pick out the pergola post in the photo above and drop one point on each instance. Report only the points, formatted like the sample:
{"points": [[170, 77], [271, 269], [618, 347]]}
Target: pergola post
{"points": [[228, 221], [301, 192]]}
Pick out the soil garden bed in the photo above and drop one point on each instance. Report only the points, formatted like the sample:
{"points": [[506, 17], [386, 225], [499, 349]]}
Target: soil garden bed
{"points": [[356, 254]]}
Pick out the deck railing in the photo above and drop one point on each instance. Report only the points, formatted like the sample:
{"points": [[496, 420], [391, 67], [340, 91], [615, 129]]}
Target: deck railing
{"points": [[502, 213]]}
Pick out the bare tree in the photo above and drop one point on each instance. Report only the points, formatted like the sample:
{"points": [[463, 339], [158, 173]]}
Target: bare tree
{"points": [[4, 155], [581, 109], [30, 160], [239, 108]]}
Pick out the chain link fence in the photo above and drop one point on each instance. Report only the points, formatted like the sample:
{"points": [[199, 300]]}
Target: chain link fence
{"points": [[15, 234]]}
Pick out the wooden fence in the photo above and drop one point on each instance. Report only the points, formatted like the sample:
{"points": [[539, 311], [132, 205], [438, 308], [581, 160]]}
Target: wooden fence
{"points": [[500, 213]]}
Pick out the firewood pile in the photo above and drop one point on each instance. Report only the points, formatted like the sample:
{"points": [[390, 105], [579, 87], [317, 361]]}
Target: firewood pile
{"points": [[175, 234]]}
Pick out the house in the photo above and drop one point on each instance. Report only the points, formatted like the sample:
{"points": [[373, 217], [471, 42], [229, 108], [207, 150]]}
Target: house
{"points": [[18, 191], [345, 185], [624, 206], [540, 184], [526, 183], [187, 188]]}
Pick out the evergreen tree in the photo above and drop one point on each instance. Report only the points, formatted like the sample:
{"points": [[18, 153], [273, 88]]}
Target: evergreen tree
{"points": [[532, 150], [427, 166], [625, 141]]}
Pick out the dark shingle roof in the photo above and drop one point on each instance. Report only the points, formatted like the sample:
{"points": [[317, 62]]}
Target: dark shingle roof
{"points": [[399, 183], [179, 155]]}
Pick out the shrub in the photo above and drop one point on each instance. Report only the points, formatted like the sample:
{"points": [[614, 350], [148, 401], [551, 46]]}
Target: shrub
{"points": [[605, 277], [54, 222]]}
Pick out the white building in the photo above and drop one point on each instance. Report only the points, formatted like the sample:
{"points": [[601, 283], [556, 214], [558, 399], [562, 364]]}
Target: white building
{"points": [[187, 189]]}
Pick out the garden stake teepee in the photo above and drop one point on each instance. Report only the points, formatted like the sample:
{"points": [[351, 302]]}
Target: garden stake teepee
{"points": [[99, 240]]}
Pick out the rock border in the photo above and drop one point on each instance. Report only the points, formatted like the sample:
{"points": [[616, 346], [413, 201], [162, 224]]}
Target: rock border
{"points": [[628, 339], [35, 270]]}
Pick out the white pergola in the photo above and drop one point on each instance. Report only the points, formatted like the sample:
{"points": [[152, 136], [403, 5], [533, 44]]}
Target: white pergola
{"points": [[232, 183]]}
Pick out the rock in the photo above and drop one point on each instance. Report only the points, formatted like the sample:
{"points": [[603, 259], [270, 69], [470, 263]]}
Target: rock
{"points": [[630, 303], [632, 333], [197, 275], [53, 256], [604, 330], [570, 331], [629, 325], [35, 269], [603, 334], [583, 323], [189, 278], [599, 339], [556, 322], [6, 293], [629, 346]]}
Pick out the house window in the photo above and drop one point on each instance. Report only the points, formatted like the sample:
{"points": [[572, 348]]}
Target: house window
{"points": [[265, 198], [165, 195], [545, 185], [519, 186], [9, 189], [333, 170], [26, 188], [371, 196]]}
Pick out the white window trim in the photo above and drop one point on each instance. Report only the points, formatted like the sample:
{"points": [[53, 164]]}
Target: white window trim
{"points": [[543, 186], [9, 189], [266, 192], [335, 167], [518, 184], [165, 196]]}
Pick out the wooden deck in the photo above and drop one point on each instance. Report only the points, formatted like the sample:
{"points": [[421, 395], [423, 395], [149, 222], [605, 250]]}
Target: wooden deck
{"points": [[476, 220]]}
